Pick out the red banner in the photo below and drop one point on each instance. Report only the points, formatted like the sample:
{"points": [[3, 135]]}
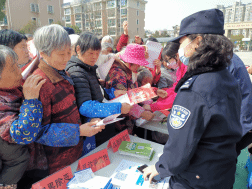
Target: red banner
{"points": [[95, 161], [57, 180], [116, 141]]}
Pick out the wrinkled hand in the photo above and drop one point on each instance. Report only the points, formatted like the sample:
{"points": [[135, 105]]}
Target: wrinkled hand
{"points": [[147, 115], [162, 93], [147, 107], [32, 86], [125, 108], [119, 92], [157, 63], [152, 171], [87, 129], [125, 27], [250, 70]]}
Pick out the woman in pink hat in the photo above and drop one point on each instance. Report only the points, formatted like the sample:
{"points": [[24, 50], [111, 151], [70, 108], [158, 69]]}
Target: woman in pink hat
{"points": [[123, 76]]}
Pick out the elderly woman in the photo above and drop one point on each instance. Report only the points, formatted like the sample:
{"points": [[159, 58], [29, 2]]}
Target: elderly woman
{"points": [[17, 42], [17, 117], [123, 76], [59, 105], [144, 77], [89, 94]]}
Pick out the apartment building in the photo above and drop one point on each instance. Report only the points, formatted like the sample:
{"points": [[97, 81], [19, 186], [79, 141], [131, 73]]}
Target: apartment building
{"points": [[20, 12], [238, 19], [105, 17]]}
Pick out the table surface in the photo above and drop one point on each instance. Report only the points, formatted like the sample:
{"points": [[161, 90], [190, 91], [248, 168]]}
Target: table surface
{"points": [[155, 126], [116, 158]]}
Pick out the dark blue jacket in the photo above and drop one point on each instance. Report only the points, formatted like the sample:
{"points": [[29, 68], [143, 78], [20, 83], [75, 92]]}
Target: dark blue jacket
{"points": [[204, 126], [239, 71]]}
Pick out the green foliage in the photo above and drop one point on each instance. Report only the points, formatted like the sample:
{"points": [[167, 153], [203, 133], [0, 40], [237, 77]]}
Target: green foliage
{"points": [[2, 6], [29, 28], [58, 22], [76, 29], [163, 34]]}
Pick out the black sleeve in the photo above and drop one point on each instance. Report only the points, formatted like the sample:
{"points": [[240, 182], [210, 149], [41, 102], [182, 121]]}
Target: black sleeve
{"points": [[81, 85]]}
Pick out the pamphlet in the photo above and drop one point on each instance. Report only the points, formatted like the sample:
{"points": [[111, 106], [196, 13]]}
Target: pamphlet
{"points": [[109, 120], [137, 95], [154, 50], [103, 69]]}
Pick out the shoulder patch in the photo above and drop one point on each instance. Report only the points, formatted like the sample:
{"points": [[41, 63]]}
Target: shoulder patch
{"points": [[189, 82], [179, 116]]}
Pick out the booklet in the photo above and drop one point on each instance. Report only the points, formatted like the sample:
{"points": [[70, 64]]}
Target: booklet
{"points": [[109, 120], [136, 149], [137, 95], [103, 69], [154, 50]]}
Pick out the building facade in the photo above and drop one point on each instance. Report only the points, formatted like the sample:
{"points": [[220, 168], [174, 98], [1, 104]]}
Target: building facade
{"points": [[19, 13], [106, 17], [238, 19]]}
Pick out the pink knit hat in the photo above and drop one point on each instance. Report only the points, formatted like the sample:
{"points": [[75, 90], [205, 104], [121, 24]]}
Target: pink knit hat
{"points": [[134, 54]]}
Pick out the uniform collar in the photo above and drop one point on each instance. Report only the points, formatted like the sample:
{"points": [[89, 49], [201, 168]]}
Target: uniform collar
{"points": [[51, 73]]}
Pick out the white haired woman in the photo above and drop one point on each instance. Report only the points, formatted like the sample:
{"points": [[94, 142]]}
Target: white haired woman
{"points": [[59, 104]]}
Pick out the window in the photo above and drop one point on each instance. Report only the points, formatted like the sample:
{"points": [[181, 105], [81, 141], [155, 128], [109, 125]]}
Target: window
{"points": [[138, 3], [50, 21], [111, 31], [67, 11], [98, 31], [77, 17], [34, 7], [137, 30], [34, 19], [87, 16], [137, 12], [77, 10], [50, 9], [122, 20], [111, 4], [78, 24], [98, 14], [98, 23], [111, 13], [123, 12], [67, 18], [137, 21], [111, 22], [87, 24], [124, 3]]}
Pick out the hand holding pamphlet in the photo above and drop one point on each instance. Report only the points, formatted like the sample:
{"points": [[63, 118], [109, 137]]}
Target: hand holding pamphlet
{"points": [[108, 120], [137, 95]]}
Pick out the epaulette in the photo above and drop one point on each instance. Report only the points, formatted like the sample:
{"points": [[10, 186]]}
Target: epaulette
{"points": [[189, 82]]}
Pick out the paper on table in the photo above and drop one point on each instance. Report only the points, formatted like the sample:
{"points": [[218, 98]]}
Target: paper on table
{"points": [[84, 175], [133, 179], [103, 69], [109, 120], [154, 50], [125, 164], [94, 183]]}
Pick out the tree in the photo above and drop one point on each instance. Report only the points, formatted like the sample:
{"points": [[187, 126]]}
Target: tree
{"points": [[30, 28], [58, 22], [76, 29], [156, 34], [2, 6]]}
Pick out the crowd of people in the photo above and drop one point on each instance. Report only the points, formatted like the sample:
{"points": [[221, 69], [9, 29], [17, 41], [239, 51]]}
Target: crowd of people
{"points": [[46, 119]]}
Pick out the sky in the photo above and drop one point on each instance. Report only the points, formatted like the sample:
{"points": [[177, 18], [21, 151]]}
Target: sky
{"points": [[163, 14]]}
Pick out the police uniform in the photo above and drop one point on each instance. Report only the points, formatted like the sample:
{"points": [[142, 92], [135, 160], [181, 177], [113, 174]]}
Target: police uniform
{"points": [[204, 127]]}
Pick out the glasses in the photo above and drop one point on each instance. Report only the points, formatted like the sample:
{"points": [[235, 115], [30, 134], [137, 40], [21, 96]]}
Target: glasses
{"points": [[168, 61]]}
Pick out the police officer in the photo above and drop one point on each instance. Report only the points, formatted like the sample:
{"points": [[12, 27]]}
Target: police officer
{"points": [[204, 123]]}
